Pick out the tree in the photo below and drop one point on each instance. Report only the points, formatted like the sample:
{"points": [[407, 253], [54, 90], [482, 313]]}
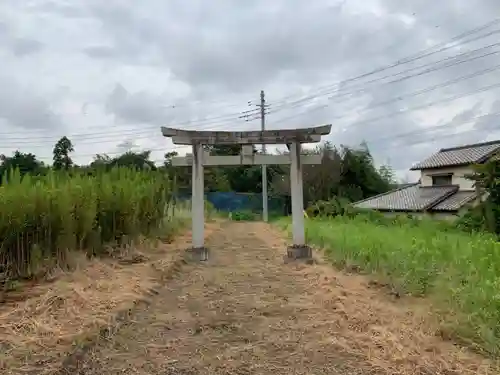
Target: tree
{"points": [[487, 179], [387, 174], [61, 158], [216, 179], [348, 173], [137, 160], [181, 174], [24, 162], [101, 161], [321, 181], [168, 158], [246, 179], [359, 177]]}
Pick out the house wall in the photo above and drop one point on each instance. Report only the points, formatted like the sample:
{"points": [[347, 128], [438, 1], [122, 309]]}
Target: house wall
{"points": [[458, 177]]}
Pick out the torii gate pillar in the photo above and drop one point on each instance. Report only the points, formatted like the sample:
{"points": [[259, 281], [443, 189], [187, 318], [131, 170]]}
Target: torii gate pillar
{"points": [[197, 201], [299, 249], [199, 158]]}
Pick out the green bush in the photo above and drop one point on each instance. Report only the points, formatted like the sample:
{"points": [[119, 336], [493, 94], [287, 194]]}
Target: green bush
{"points": [[244, 215], [333, 207], [42, 219], [482, 218]]}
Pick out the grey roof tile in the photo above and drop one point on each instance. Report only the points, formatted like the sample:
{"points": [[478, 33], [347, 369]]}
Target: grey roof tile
{"points": [[455, 201], [462, 155], [411, 198]]}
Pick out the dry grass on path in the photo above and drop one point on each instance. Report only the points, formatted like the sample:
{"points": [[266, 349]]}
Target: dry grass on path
{"points": [[245, 312], [38, 333]]}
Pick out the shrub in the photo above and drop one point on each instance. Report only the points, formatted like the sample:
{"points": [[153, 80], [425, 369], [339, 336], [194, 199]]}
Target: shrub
{"points": [[244, 215], [42, 219], [331, 208], [478, 219]]}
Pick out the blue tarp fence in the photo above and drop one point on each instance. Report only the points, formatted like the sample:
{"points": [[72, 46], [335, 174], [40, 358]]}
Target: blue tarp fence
{"points": [[233, 201]]}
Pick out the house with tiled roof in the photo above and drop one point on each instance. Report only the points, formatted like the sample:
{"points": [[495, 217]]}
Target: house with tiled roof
{"points": [[443, 191]]}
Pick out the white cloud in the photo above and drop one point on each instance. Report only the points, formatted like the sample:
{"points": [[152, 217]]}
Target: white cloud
{"points": [[108, 74]]}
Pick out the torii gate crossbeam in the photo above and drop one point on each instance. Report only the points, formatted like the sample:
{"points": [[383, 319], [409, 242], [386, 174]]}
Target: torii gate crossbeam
{"points": [[291, 137]]}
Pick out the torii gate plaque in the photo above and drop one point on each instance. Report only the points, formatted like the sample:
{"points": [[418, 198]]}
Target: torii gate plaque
{"points": [[199, 158]]}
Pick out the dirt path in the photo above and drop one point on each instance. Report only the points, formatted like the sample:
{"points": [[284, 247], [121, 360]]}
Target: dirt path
{"points": [[245, 312]]}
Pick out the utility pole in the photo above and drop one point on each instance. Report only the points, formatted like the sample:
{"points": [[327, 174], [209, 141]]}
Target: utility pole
{"points": [[251, 115], [265, 213]]}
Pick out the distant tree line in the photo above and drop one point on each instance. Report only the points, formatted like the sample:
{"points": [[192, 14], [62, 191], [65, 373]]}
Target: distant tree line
{"points": [[346, 172]]}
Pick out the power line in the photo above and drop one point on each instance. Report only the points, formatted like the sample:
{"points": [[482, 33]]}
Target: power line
{"points": [[370, 142], [424, 53], [434, 66], [431, 104], [222, 119], [229, 118], [227, 104], [255, 112], [139, 133], [400, 97], [380, 140], [428, 105], [398, 62], [206, 120], [413, 133], [441, 85], [442, 46]]}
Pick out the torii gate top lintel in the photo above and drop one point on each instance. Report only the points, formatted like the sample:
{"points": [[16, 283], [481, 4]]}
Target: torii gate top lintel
{"points": [[282, 136]]}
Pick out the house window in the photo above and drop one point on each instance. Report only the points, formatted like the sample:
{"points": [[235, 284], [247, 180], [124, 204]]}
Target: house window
{"points": [[441, 180]]}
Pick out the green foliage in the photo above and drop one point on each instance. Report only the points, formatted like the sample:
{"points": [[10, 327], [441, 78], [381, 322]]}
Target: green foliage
{"points": [[387, 174], [244, 215], [46, 212], [474, 220], [61, 158], [41, 220], [24, 163], [239, 178], [330, 208], [344, 172], [459, 271], [135, 160], [487, 215]]}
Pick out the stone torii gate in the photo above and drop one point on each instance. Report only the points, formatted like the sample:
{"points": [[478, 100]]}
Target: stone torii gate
{"points": [[293, 138]]}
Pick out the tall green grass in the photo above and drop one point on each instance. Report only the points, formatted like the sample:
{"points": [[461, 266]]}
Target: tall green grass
{"points": [[459, 271], [43, 219]]}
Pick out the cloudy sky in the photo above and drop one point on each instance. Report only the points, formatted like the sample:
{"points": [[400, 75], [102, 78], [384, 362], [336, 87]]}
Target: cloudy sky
{"points": [[109, 73]]}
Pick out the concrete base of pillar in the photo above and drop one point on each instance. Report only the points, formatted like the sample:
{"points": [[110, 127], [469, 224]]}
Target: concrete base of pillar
{"points": [[298, 252], [198, 254]]}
